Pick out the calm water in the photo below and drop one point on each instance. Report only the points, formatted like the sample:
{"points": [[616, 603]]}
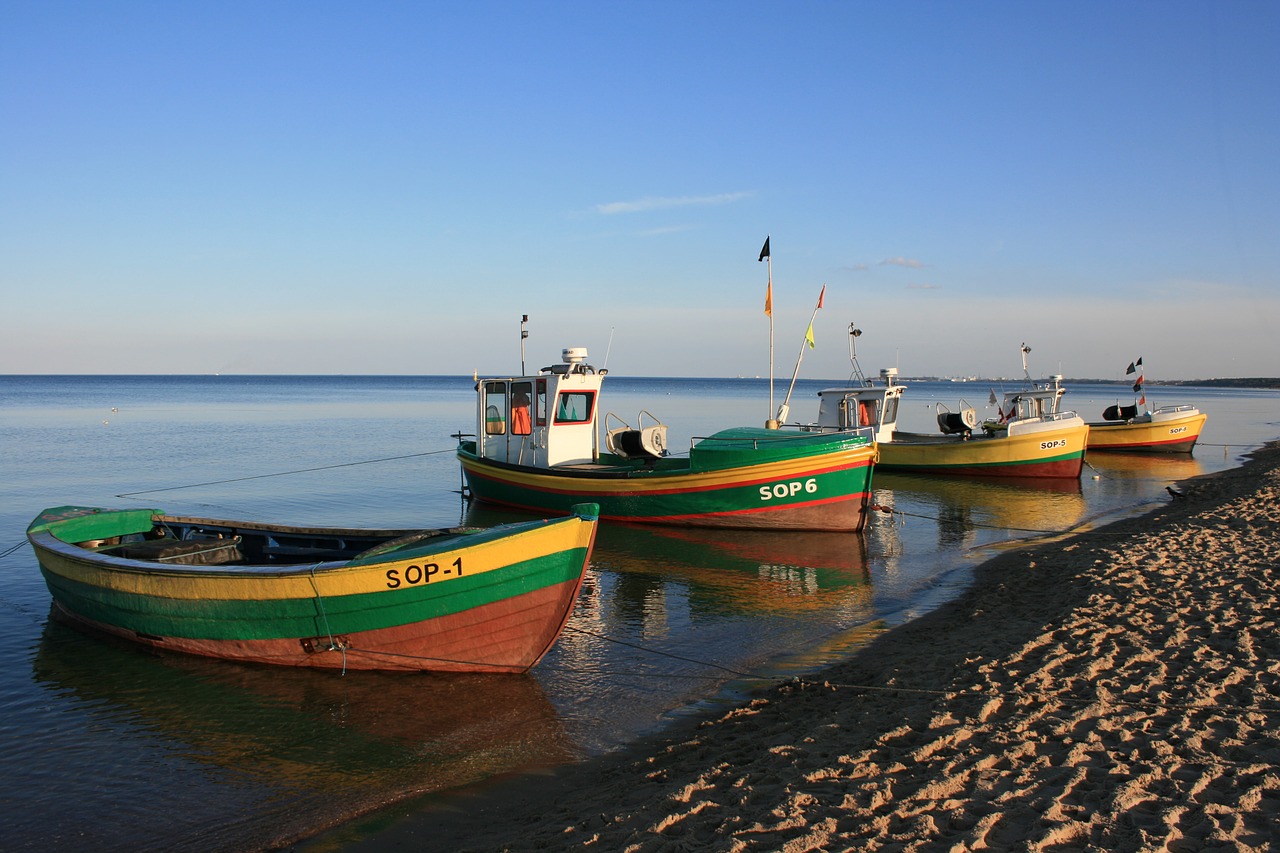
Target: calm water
{"points": [[107, 747]]}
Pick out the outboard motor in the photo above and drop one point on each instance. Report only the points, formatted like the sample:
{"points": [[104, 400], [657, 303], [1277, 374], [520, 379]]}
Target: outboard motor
{"points": [[951, 423], [646, 442], [1119, 413]]}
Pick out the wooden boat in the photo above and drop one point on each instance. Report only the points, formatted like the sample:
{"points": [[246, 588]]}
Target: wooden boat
{"points": [[537, 447], [1137, 429], [1031, 438], [459, 601], [1167, 429]]}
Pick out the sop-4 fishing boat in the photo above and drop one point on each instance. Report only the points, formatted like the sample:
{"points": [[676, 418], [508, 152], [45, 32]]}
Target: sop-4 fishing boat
{"points": [[537, 446], [1167, 429], [1137, 429], [1031, 438], [463, 601]]}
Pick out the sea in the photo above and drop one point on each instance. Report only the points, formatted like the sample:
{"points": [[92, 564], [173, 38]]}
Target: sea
{"points": [[108, 747]]}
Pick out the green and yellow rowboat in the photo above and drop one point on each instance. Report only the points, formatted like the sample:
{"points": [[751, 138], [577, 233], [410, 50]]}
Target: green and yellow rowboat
{"points": [[456, 600]]}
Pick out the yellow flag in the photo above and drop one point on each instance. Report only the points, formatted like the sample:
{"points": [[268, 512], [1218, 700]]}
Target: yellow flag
{"points": [[768, 300], [808, 335]]}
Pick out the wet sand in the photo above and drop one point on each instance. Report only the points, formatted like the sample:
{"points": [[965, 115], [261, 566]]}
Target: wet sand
{"points": [[1118, 690]]}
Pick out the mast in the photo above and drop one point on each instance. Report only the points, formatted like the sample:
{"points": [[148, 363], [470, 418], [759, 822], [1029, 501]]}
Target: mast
{"points": [[768, 310], [524, 334]]}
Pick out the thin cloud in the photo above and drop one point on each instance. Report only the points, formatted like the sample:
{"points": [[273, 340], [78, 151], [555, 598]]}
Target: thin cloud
{"points": [[649, 203], [923, 287], [902, 262], [670, 229]]}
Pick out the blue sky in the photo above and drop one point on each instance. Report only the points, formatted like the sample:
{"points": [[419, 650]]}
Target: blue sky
{"points": [[319, 187]]}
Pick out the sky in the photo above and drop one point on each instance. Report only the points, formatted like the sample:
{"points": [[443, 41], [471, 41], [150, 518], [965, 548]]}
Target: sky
{"points": [[388, 187]]}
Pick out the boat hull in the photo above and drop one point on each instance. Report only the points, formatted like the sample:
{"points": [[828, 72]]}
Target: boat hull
{"points": [[1038, 455], [736, 479], [1159, 435], [491, 601]]}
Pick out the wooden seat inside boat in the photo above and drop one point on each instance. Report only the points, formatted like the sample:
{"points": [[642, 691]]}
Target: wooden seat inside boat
{"points": [[193, 552]]}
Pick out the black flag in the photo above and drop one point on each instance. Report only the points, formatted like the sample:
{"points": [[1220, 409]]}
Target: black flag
{"points": [[1139, 361], [764, 253], [1130, 369]]}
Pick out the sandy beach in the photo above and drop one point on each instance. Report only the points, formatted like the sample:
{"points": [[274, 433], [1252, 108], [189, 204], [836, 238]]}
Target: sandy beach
{"points": [[1118, 690]]}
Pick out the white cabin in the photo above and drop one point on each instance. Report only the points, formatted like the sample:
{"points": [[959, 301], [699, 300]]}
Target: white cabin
{"points": [[543, 420], [860, 406]]}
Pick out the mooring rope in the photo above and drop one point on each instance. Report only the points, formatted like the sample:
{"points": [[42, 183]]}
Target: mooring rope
{"points": [[286, 473], [324, 617]]}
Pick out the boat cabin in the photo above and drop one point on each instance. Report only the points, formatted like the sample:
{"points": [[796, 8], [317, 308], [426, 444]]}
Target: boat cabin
{"points": [[856, 407], [552, 419], [1040, 401], [543, 420]]}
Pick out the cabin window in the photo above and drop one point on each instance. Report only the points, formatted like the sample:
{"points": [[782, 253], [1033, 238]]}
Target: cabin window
{"points": [[574, 407], [495, 408], [890, 411], [540, 404], [866, 413], [521, 415]]}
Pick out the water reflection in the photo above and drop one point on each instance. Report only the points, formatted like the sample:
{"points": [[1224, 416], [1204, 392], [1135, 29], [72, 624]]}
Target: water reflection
{"points": [[971, 512], [721, 572], [311, 748], [1130, 466]]}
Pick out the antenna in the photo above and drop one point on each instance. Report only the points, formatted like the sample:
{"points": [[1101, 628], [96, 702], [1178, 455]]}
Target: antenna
{"points": [[524, 333], [854, 334], [608, 349]]}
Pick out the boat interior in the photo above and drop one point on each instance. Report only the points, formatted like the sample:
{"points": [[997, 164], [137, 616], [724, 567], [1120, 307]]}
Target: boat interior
{"points": [[206, 542]]}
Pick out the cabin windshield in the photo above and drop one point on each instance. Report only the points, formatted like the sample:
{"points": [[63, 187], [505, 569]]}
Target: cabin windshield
{"points": [[890, 411], [540, 404], [575, 407], [495, 408], [521, 403]]}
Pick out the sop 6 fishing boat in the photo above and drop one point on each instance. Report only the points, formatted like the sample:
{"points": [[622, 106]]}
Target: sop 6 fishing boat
{"points": [[537, 447], [1031, 438], [1137, 429], [446, 600]]}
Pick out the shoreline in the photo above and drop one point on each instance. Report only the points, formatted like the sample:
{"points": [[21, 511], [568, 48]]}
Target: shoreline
{"points": [[1127, 698]]}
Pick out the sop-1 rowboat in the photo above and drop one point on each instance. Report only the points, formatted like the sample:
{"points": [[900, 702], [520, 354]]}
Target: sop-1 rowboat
{"points": [[456, 600]]}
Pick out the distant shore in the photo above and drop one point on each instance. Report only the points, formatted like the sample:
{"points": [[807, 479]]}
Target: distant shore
{"points": [[1116, 690], [1263, 383]]}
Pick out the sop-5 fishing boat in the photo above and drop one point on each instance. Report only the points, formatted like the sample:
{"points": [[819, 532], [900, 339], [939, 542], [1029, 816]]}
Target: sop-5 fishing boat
{"points": [[442, 600], [1137, 429], [537, 447], [1031, 438]]}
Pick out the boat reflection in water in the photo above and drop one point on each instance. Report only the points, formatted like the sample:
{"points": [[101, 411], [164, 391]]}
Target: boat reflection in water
{"points": [[973, 513], [724, 571], [1145, 466], [673, 603], [314, 748]]}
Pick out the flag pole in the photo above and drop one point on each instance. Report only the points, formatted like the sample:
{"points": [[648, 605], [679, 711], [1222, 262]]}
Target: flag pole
{"points": [[768, 310], [785, 410], [769, 264]]}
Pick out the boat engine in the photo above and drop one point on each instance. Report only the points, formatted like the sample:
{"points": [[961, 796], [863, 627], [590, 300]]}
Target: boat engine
{"points": [[951, 423]]}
